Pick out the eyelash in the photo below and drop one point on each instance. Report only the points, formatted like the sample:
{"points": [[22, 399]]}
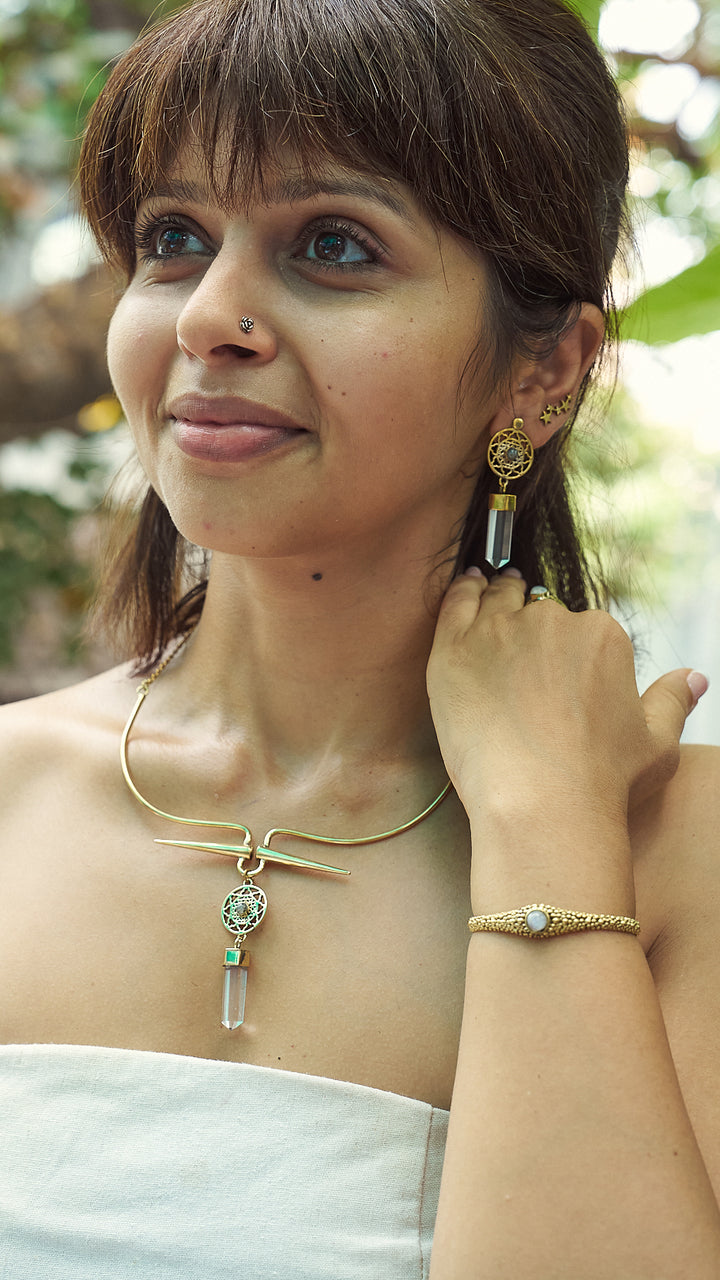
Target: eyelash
{"points": [[150, 226]]}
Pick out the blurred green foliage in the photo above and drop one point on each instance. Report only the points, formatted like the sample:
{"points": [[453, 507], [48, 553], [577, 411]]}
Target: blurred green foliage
{"points": [[640, 527], [36, 551], [687, 304], [54, 57], [589, 11]]}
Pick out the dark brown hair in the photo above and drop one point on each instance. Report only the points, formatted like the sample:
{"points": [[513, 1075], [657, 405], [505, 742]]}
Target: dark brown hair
{"points": [[502, 119]]}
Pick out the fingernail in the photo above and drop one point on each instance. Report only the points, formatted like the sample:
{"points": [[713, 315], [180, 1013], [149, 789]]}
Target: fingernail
{"points": [[473, 572], [511, 573], [699, 684]]}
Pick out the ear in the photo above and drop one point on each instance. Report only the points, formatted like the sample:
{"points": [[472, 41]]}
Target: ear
{"points": [[543, 392]]}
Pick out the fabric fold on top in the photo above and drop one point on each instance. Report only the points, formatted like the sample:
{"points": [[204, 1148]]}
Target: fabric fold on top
{"points": [[120, 1162]]}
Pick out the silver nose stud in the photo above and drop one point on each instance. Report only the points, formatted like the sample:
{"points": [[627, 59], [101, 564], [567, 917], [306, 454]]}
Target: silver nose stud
{"points": [[247, 324]]}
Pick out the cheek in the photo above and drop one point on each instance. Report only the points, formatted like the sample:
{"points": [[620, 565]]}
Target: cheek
{"points": [[411, 379], [115, 349], [135, 366], [123, 347], [373, 368], [138, 337]]}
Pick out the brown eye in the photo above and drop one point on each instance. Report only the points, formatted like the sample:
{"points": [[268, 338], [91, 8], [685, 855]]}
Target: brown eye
{"points": [[330, 247], [334, 247], [161, 239], [170, 242]]}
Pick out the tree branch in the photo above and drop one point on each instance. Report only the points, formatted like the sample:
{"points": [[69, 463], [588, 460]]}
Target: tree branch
{"points": [[52, 355]]}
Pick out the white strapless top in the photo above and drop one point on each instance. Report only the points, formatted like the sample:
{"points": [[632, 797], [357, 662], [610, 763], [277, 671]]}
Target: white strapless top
{"points": [[116, 1163]]}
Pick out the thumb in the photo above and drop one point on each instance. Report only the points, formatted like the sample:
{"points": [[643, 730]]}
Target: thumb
{"points": [[669, 701], [667, 704]]}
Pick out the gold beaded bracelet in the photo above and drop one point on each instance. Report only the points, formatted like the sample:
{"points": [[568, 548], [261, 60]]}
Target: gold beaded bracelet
{"points": [[541, 921]]}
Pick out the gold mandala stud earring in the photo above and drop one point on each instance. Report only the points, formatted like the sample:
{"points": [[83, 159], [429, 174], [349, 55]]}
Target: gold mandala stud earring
{"points": [[510, 455]]}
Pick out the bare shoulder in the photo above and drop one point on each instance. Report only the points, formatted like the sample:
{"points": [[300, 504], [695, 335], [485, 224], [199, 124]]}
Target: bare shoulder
{"points": [[59, 731], [693, 794], [676, 833]]}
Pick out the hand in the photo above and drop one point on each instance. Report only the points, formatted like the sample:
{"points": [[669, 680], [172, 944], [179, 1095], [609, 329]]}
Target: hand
{"points": [[544, 701]]}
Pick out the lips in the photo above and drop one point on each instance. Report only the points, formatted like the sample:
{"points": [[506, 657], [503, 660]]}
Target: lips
{"points": [[229, 428], [226, 411]]}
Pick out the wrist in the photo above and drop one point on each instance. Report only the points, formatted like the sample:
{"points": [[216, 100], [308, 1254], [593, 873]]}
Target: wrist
{"points": [[513, 790], [565, 856]]}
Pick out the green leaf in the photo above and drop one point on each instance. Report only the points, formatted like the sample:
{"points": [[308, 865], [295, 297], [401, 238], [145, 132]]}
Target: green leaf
{"points": [[589, 11], [686, 305]]}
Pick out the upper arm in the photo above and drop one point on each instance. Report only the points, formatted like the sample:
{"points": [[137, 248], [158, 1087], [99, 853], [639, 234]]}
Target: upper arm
{"points": [[681, 872]]}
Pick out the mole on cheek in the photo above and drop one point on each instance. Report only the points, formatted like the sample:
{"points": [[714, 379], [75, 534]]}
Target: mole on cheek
{"points": [[316, 577]]}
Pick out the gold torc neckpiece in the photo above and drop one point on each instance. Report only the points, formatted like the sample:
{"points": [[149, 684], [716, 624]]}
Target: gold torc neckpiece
{"points": [[245, 906]]}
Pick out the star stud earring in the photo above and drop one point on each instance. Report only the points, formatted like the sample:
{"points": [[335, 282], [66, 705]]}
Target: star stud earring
{"points": [[550, 409]]}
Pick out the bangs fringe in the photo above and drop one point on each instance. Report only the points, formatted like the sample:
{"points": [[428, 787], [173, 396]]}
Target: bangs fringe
{"points": [[372, 86]]}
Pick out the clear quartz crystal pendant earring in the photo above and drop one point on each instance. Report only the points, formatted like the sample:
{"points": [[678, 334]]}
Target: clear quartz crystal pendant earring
{"points": [[510, 455]]}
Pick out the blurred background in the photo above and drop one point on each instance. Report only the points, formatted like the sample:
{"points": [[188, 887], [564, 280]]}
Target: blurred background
{"points": [[648, 457]]}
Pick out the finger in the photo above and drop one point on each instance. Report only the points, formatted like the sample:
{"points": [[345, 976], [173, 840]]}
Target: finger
{"points": [[505, 593], [669, 701], [461, 602]]}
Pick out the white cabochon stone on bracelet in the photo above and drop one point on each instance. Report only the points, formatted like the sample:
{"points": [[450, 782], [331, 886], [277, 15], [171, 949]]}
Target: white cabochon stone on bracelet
{"points": [[541, 921]]}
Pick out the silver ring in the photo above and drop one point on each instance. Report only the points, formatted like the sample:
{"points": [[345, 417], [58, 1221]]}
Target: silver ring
{"points": [[536, 594], [247, 324]]}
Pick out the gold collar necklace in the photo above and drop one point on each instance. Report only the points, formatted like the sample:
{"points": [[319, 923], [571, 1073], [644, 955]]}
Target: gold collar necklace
{"points": [[245, 906]]}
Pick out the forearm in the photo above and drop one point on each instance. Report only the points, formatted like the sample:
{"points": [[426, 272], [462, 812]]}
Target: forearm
{"points": [[570, 1154]]}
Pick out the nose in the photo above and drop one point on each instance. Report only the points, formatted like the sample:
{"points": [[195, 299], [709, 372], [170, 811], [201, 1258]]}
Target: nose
{"points": [[224, 319]]}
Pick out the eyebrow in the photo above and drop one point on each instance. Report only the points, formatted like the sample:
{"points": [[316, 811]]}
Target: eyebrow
{"points": [[295, 189], [292, 190]]}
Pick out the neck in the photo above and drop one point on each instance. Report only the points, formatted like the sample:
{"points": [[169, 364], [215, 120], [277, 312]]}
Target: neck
{"points": [[314, 670]]}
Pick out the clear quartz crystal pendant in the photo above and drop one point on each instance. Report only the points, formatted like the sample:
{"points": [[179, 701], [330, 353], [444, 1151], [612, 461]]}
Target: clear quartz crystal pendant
{"points": [[234, 987], [501, 515]]}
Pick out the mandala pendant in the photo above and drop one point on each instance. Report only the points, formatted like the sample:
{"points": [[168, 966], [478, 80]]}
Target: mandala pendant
{"points": [[244, 908], [242, 911]]}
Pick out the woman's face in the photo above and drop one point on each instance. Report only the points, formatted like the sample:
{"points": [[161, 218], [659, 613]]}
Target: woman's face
{"points": [[336, 417]]}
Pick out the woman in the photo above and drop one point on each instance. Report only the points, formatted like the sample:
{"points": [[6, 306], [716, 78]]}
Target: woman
{"points": [[360, 241]]}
